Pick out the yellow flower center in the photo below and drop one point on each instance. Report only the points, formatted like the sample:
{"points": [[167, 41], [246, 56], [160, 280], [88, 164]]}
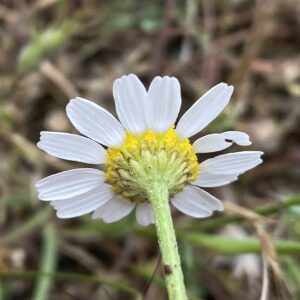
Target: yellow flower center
{"points": [[147, 158]]}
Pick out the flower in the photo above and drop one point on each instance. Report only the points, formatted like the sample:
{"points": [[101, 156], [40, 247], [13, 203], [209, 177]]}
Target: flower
{"points": [[142, 148]]}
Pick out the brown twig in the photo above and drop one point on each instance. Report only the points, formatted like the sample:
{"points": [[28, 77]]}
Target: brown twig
{"points": [[269, 255], [59, 79]]}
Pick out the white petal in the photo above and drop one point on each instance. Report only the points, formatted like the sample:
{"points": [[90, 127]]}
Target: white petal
{"points": [[69, 183], [163, 103], [114, 210], [72, 147], [144, 214], [130, 98], [95, 122], [83, 204], [206, 179], [231, 163], [196, 203], [206, 109], [220, 141]]}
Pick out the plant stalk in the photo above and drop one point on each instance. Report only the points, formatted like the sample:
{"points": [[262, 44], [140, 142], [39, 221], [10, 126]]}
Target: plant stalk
{"points": [[159, 198]]}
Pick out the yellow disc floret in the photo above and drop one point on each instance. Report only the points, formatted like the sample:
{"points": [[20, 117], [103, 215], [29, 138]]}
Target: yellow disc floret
{"points": [[147, 158]]}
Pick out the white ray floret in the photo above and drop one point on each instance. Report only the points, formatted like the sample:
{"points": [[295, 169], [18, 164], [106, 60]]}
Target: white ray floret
{"points": [[196, 203], [72, 147], [207, 179], [114, 210], [95, 122], [130, 99], [232, 163], [205, 110], [84, 203], [163, 103], [144, 214], [69, 183], [220, 141]]}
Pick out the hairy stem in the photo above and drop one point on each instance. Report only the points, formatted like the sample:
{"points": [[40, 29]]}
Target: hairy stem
{"points": [[159, 198]]}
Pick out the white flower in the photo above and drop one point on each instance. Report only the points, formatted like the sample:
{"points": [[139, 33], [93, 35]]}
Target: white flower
{"points": [[143, 146]]}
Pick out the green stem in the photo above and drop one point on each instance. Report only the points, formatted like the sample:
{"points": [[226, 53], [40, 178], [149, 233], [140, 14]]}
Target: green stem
{"points": [[48, 264], [159, 198], [231, 246]]}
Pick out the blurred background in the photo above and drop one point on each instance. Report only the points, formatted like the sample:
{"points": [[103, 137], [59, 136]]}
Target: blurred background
{"points": [[53, 50]]}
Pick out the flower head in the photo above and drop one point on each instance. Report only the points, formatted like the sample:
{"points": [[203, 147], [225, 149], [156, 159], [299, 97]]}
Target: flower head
{"points": [[143, 148]]}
